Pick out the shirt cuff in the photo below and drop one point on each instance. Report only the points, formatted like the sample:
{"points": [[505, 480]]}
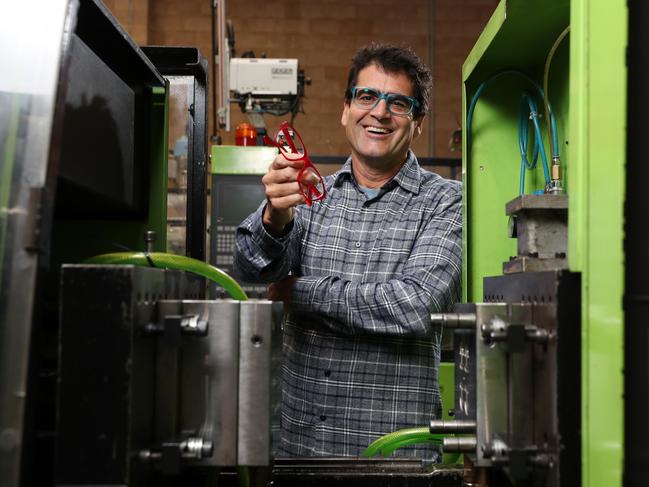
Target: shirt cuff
{"points": [[275, 246]]}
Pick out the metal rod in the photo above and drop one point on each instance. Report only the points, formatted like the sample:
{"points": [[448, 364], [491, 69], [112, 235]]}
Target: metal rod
{"points": [[464, 444], [454, 320], [460, 426]]}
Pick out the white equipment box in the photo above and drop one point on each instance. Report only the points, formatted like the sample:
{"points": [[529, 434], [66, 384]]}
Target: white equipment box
{"points": [[262, 76]]}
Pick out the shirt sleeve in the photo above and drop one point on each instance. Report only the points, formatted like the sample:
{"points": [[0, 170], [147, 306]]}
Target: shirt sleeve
{"points": [[259, 257], [400, 306]]}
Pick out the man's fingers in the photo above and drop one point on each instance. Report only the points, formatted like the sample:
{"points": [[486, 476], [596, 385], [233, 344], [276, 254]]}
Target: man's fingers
{"points": [[284, 175], [310, 177], [281, 186], [281, 162], [278, 190], [289, 201]]}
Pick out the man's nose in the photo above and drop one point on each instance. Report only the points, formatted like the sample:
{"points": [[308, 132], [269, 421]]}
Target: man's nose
{"points": [[380, 110]]}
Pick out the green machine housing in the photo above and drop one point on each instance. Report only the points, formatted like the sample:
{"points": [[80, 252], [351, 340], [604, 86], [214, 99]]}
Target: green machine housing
{"points": [[587, 89], [83, 171], [236, 192]]}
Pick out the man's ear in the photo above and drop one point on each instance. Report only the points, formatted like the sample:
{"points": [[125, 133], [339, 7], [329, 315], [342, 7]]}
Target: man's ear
{"points": [[345, 115], [418, 125]]}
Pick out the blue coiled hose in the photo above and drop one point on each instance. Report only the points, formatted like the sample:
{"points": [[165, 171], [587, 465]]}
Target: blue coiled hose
{"points": [[529, 111], [537, 128]]}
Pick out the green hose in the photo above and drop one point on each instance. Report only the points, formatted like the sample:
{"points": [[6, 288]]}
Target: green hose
{"points": [[386, 445], [397, 439], [389, 448], [170, 261]]}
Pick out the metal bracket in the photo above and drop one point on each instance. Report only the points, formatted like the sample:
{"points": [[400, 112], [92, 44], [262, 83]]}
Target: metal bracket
{"points": [[515, 335], [171, 454], [518, 460], [35, 241], [174, 327]]}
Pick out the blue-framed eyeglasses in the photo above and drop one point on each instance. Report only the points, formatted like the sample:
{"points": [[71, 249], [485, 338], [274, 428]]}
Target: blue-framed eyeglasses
{"points": [[368, 98]]}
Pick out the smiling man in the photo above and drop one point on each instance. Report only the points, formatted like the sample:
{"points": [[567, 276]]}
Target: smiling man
{"points": [[361, 270]]}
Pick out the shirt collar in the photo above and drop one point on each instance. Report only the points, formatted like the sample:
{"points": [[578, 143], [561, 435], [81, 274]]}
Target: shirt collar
{"points": [[408, 177]]}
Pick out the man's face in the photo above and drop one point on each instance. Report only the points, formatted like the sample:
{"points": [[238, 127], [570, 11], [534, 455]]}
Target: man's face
{"points": [[379, 138]]}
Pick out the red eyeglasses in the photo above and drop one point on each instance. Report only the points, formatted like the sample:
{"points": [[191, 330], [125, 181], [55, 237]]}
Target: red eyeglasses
{"points": [[290, 145]]}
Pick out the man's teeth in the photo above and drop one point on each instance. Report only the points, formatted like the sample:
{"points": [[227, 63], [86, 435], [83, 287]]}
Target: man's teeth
{"points": [[378, 130]]}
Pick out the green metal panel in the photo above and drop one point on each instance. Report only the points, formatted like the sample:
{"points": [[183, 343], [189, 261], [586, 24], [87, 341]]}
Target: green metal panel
{"points": [[597, 154], [446, 378], [518, 36], [233, 159], [491, 180], [588, 83]]}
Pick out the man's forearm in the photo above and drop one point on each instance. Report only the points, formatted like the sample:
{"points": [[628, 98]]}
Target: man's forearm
{"points": [[259, 256], [398, 307], [275, 220]]}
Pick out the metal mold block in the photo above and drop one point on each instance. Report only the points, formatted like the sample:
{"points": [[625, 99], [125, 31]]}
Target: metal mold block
{"points": [[210, 379], [506, 379], [254, 441], [541, 229]]}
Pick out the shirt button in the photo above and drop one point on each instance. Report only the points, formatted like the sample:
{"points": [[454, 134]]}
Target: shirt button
{"points": [[358, 244], [327, 373], [323, 417]]}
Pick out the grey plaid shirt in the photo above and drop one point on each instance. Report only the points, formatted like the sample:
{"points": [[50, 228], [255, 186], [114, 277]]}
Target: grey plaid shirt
{"points": [[360, 354]]}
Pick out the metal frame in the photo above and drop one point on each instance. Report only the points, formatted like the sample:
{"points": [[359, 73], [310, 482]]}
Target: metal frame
{"points": [[636, 292], [25, 133], [188, 61], [30, 134]]}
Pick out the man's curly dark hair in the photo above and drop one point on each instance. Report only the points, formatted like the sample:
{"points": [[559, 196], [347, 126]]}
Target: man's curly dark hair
{"points": [[394, 59]]}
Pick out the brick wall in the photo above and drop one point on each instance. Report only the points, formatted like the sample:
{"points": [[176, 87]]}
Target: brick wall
{"points": [[457, 25], [323, 35], [134, 17]]}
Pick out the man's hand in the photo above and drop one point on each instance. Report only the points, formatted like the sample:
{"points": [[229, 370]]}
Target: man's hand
{"points": [[282, 290], [283, 193]]}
